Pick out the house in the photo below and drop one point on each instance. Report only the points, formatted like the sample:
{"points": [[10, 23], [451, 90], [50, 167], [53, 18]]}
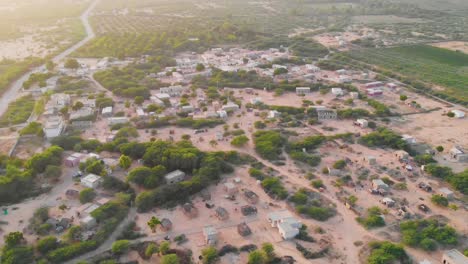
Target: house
{"points": [[256, 100], [454, 256], [287, 225], [341, 71], [166, 224], [140, 112], [162, 96], [91, 103], [372, 160], [354, 95], [409, 139], [326, 114], [445, 192], [344, 79], [54, 126], [243, 229], [392, 86], [251, 197], [117, 120], [73, 160], [401, 155], [248, 210], [273, 114], [222, 114], [221, 213], [176, 90], [230, 188], [459, 154], [337, 91], [458, 113], [91, 181], [379, 184], [189, 210], [312, 68], [374, 85], [187, 109], [88, 222], [211, 235], [374, 91], [72, 194], [59, 100], [155, 100], [82, 113], [362, 123], [389, 202], [230, 107], [175, 176], [302, 90], [107, 111]]}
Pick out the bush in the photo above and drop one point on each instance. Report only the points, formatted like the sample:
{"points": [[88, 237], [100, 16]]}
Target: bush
{"points": [[87, 195], [268, 144], [239, 141], [439, 200], [373, 219], [387, 253], [340, 164], [120, 246], [47, 244], [420, 233], [210, 255]]}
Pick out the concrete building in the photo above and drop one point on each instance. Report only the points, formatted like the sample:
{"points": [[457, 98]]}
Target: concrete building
{"points": [[175, 176], [459, 154], [243, 229], [302, 90], [117, 120], [337, 91], [374, 85], [73, 160], [374, 91], [287, 225], [189, 210], [155, 100], [211, 235], [221, 114], [256, 100], [91, 103], [458, 113], [401, 155], [354, 95], [273, 114], [230, 107], [107, 111], [221, 213], [162, 96], [409, 139], [88, 222], [84, 112], [362, 123], [251, 197], [53, 127], [187, 109], [166, 224], [454, 256], [176, 90], [91, 181], [379, 184], [326, 114], [445, 192], [230, 188]]}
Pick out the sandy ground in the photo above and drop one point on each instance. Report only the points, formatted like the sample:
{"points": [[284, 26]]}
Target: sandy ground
{"points": [[453, 45], [24, 47]]}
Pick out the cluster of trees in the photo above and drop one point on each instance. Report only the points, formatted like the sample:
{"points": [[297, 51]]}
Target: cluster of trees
{"points": [[160, 157], [427, 234], [309, 204], [33, 128], [39, 78], [124, 82], [18, 111], [198, 123], [387, 253], [383, 137], [380, 108], [17, 179], [71, 84], [274, 188], [459, 181], [269, 144], [353, 113], [16, 250], [11, 70]]}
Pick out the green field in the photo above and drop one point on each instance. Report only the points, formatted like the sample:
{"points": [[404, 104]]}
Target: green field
{"points": [[424, 63], [18, 111]]}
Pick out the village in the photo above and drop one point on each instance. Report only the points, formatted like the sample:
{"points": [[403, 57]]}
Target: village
{"points": [[239, 210]]}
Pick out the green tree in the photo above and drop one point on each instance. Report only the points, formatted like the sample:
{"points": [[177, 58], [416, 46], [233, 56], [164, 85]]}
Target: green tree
{"points": [[71, 64], [200, 67], [139, 100], [239, 141], [339, 164], [439, 200], [120, 246], [451, 114], [13, 239], [125, 162], [440, 148], [18, 255], [87, 195], [164, 247], [153, 223], [170, 259], [53, 171], [47, 244], [403, 97], [50, 65], [150, 250], [210, 255], [257, 257], [269, 251]]}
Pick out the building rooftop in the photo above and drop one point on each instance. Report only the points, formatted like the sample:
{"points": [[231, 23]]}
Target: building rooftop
{"points": [[456, 256]]}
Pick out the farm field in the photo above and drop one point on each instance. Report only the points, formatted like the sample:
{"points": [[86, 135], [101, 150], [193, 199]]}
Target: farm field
{"points": [[441, 67]]}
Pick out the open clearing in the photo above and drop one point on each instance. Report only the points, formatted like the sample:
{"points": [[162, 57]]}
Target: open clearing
{"points": [[387, 19], [453, 45]]}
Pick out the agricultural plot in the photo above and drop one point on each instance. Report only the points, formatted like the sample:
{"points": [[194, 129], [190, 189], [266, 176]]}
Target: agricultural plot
{"points": [[425, 63]]}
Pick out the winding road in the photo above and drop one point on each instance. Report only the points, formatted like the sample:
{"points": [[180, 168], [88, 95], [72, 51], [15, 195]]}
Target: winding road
{"points": [[15, 88]]}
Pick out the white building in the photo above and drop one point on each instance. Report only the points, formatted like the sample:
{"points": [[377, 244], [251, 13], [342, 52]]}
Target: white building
{"points": [[459, 154], [337, 91], [140, 112], [175, 176], [379, 184], [211, 235], [107, 111], [409, 139], [53, 127], [117, 120], [445, 192], [302, 90], [91, 181], [187, 108], [162, 96], [176, 90], [155, 100], [345, 79], [222, 114], [87, 102], [454, 256], [230, 107], [362, 123], [256, 100], [312, 68], [458, 113], [324, 113], [287, 225], [273, 114], [82, 113]]}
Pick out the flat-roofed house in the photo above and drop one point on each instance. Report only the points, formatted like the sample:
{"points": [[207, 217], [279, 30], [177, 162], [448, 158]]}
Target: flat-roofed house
{"points": [[175, 176], [302, 90], [211, 235], [91, 181], [454, 256]]}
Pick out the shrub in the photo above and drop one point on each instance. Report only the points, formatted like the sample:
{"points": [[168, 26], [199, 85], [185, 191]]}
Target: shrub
{"points": [[87, 195], [239, 141], [439, 200], [120, 246]]}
